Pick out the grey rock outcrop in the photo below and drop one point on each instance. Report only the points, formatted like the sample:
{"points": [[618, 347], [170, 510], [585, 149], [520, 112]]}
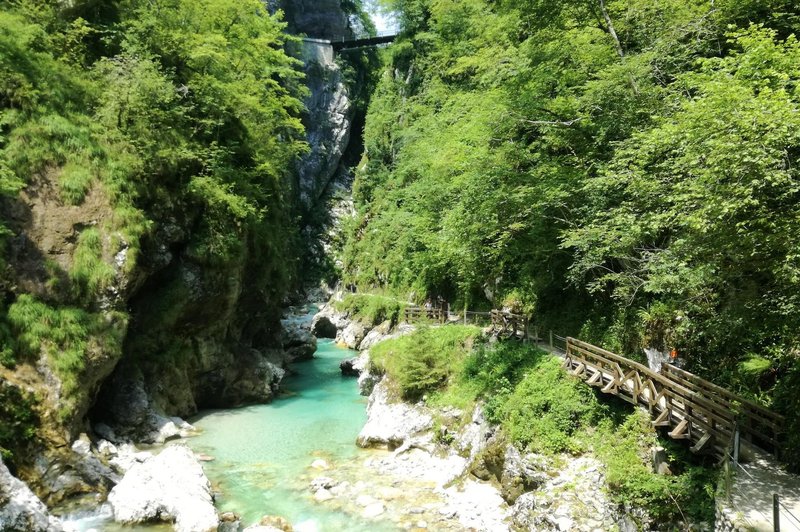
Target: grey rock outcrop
{"points": [[328, 321], [328, 124], [323, 327], [20, 509], [521, 474], [352, 334], [297, 340], [391, 424], [323, 19], [168, 487]]}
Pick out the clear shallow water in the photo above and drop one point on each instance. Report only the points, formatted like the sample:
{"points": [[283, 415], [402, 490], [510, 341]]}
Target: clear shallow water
{"points": [[263, 453]]}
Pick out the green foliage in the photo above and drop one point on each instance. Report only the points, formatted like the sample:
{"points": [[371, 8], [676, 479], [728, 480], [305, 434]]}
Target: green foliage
{"points": [[177, 113], [18, 420], [90, 272], [547, 409], [638, 191], [68, 336], [425, 360], [371, 308], [686, 494]]}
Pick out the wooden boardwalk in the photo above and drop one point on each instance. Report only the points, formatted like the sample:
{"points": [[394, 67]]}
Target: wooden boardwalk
{"points": [[710, 418], [691, 408]]}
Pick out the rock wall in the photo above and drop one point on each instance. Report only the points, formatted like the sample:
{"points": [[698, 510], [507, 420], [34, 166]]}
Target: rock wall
{"points": [[328, 121]]}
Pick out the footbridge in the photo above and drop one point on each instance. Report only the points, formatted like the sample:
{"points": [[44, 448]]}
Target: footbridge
{"points": [[355, 43]]}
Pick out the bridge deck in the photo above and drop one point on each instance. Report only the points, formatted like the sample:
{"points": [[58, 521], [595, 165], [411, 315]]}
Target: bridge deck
{"points": [[352, 44]]}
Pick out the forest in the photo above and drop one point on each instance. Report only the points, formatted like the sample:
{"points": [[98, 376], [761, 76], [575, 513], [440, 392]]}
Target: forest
{"points": [[624, 171]]}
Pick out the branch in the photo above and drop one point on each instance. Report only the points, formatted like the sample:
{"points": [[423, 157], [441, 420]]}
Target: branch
{"points": [[617, 44], [611, 30], [558, 123]]}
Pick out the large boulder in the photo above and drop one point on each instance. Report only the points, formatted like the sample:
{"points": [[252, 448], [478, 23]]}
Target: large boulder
{"points": [[169, 487], [348, 367], [353, 334], [323, 327], [20, 509], [391, 424], [521, 474], [297, 340]]}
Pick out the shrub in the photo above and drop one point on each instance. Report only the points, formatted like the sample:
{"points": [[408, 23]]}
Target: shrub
{"points": [[66, 335], [90, 273], [18, 420], [426, 360], [371, 308], [687, 494], [547, 408]]}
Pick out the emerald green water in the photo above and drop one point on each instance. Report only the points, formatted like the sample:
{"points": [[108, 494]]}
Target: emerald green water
{"points": [[263, 453]]}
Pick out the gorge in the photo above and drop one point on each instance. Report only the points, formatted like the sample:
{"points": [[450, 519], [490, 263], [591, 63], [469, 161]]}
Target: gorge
{"points": [[204, 210]]}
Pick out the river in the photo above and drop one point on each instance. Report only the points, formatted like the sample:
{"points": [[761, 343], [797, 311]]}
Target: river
{"points": [[263, 454]]}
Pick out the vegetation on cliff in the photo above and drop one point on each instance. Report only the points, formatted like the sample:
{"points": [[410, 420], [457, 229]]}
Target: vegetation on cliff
{"points": [[181, 116], [626, 171]]}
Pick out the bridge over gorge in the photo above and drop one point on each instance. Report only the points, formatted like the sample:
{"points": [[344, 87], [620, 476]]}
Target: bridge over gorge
{"points": [[354, 43], [710, 418]]}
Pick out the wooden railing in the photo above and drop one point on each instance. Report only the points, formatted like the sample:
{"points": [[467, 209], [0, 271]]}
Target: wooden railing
{"points": [[693, 408], [503, 324]]}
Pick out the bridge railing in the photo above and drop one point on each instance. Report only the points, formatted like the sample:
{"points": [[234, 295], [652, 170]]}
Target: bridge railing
{"points": [[693, 408]]}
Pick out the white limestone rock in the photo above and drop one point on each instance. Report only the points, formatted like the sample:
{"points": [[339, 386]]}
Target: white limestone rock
{"points": [[168, 487], [20, 509], [353, 334], [391, 424]]}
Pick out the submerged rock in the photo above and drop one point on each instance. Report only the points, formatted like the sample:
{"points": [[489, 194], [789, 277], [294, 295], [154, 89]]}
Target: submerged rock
{"points": [[20, 509], [168, 487]]}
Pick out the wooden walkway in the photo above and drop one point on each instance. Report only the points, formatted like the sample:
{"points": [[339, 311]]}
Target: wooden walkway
{"points": [[692, 408], [710, 418]]}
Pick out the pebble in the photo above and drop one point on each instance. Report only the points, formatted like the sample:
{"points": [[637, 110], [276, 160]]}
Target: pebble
{"points": [[323, 495], [320, 464], [374, 510], [365, 500]]}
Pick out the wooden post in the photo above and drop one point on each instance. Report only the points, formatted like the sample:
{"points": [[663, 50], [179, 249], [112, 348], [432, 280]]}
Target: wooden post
{"points": [[736, 443], [776, 512], [551, 338]]}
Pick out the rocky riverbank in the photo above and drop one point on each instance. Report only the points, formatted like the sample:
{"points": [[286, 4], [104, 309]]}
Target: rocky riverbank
{"points": [[421, 475]]}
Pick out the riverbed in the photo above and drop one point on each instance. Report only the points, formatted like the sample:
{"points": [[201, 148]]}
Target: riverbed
{"points": [[263, 454]]}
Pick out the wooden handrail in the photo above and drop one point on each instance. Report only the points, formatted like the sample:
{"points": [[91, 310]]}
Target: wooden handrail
{"points": [[688, 400]]}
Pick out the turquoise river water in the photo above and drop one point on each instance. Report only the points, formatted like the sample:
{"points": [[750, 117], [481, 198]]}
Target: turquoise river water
{"points": [[263, 454]]}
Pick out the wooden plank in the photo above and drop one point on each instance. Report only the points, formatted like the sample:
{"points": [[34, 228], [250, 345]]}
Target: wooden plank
{"points": [[703, 443], [611, 387], [595, 378], [681, 431], [662, 420]]}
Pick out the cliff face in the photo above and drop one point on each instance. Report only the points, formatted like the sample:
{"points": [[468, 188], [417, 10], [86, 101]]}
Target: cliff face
{"points": [[135, 332], [322, 19], [328, 121]]}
